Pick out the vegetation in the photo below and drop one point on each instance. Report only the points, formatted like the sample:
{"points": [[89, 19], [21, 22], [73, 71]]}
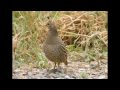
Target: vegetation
{"points": [[82, 31]]}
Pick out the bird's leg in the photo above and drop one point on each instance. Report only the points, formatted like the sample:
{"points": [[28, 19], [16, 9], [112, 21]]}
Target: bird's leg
{"points": [[58, 64], [54, 70], [59, 68], [54, 65], [65, 71]]}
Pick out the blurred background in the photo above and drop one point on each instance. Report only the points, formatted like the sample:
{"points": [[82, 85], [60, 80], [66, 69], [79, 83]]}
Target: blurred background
{"points": [[85, 34]]}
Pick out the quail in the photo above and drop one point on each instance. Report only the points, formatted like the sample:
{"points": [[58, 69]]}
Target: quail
{"points": [[54, 47]]}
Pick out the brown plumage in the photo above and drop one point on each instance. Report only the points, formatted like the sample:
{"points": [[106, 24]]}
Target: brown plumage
{"points": [[53, 47]]}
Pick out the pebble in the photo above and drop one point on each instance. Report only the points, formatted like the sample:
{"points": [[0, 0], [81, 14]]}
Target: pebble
{"points": [[101, 77], [67, 77], [29, 73]]}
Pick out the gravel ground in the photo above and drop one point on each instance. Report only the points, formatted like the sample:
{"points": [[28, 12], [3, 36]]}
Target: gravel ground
{"points": [[74, 70]]}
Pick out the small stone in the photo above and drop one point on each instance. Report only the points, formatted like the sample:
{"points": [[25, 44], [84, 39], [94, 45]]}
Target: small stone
{"points": [[59, 78], [67, 77], [82, 69], [17, 70], [74, 77], [101, 77], [30, 73]]}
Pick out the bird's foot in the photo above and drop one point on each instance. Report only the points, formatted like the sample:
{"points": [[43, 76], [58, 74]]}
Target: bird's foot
{"points": [[52, 71]]}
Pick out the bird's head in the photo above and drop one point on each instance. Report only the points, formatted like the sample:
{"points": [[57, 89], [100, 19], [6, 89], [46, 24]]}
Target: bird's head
{"points": [[52, 28]]}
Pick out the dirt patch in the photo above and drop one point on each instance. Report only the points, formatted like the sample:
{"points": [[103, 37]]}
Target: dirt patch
{"points": [[75, 70]]}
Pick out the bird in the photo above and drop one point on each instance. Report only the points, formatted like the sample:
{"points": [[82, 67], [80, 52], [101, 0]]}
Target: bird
{"points": [[54, 47]]}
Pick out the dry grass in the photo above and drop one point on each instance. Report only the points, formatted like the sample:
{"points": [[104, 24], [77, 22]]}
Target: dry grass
{"points": [[82, 31]]}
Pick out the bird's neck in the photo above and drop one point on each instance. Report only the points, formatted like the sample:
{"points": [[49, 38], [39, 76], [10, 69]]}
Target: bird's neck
{"points": [[51, 39]]}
